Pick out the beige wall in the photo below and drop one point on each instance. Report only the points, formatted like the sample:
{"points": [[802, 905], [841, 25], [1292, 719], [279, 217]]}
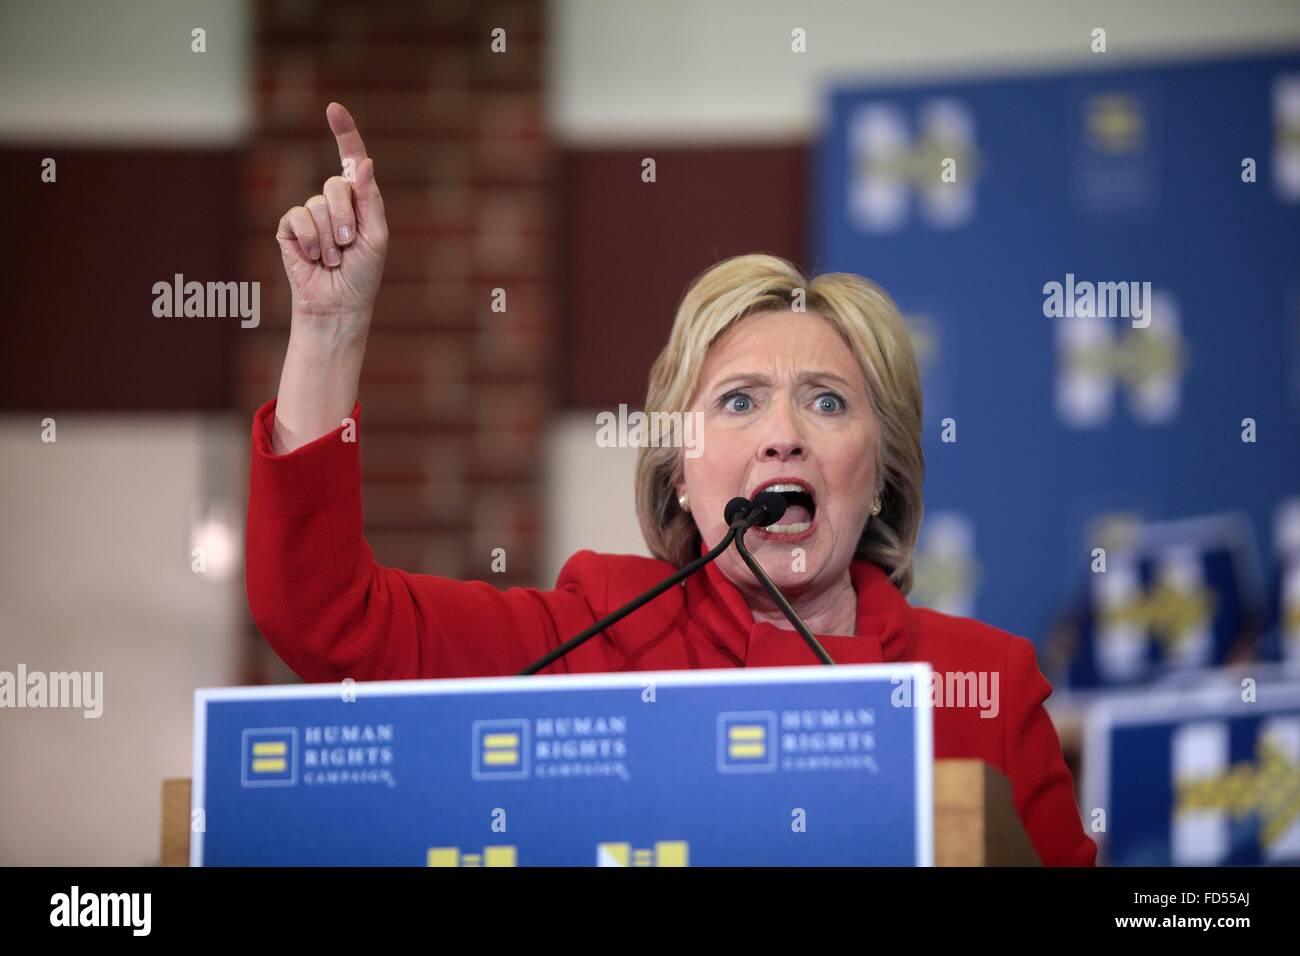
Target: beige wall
{"points": [[95, 575], [121, 71], [95, 550]]}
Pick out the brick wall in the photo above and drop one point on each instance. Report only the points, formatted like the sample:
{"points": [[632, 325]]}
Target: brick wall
{"points": [[453, 395]]}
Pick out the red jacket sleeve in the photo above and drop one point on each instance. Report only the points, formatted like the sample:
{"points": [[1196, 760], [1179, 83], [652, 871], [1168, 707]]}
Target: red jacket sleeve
{"points": [[1042, 786], [332, 612]]}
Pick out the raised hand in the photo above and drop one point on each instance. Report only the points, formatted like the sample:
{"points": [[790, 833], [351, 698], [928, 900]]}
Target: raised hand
{"points": [[334, 244], [333, 247]]}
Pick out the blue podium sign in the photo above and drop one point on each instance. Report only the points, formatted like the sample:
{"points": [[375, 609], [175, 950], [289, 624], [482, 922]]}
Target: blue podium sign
{"points": [[1201, 777], [804, 766]]}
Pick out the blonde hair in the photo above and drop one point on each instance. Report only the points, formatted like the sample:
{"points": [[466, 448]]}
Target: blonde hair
{"points": [[871, 326]]}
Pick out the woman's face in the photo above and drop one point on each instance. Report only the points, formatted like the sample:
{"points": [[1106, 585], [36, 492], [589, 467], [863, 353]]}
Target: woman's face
{"points": [[784, 402]]}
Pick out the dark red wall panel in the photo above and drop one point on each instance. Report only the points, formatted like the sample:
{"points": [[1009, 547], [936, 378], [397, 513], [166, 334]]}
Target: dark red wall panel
{"points": [[78, 261], [629, 249]]}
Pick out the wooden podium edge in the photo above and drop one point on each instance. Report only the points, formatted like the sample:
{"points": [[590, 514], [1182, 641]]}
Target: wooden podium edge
{"points": [[174, 849], [975, 822]]}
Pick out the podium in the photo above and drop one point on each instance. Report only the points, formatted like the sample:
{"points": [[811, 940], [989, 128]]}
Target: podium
{"points": [[975, 822], [773, 766]]}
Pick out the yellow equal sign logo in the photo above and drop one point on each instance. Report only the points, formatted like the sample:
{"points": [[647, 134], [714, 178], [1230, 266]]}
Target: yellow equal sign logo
{"points": [[269, 757], [747, 741], [663, 853], [491, 856], [500, 749]]}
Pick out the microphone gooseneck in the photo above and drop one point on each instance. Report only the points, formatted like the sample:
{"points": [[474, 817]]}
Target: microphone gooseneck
{"points": [[741, 514], [769, 506], [737, 512]]}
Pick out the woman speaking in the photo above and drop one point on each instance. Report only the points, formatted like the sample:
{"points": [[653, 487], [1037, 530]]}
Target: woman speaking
{"points": [[821, 404]]}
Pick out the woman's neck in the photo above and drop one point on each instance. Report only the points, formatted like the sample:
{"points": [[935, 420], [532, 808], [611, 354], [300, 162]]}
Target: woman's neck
{"points": [[832, 610]]}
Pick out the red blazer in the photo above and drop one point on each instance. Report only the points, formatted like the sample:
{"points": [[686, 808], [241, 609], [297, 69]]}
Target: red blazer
{"points": [[331, 612]]}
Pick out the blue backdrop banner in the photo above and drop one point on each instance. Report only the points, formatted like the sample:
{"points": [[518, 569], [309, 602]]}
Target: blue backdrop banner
{"points": [[1099, 270]]}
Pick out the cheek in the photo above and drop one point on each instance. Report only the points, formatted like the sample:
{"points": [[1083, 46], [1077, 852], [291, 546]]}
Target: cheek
{"points": [[854, 473], [717, 470]]}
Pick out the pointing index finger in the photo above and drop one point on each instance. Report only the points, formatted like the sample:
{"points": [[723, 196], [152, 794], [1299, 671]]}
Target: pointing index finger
{"points": [[345, 133]]}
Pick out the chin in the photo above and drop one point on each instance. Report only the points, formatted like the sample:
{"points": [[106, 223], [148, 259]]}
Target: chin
{"points": [[779, 563]]}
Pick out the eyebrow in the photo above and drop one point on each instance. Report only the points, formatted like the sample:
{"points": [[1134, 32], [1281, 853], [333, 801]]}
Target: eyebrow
{"points": [[804, 378]]}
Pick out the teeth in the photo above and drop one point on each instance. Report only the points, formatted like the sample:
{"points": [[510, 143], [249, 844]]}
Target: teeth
{"points": [[788, 487], [798, 528]]}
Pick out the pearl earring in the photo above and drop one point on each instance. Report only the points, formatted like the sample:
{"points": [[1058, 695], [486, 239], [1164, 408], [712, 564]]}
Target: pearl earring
{"points": [[875, 506], [682, 500]]}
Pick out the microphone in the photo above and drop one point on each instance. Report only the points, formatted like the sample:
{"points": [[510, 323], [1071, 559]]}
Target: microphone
{"points": [[736, 506], [737, 512], [768, 507], [772, 504]]}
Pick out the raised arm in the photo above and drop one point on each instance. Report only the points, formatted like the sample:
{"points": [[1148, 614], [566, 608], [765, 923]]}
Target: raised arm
{"points": [[333, 247], [314, 588]]}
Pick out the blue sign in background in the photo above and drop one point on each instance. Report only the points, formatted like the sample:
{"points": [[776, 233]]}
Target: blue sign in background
{"points": [[1246, 808], [1109, 175], [707, 763]]}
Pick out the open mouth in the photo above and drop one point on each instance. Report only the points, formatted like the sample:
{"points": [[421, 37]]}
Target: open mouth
{"points": [[800, 513]]}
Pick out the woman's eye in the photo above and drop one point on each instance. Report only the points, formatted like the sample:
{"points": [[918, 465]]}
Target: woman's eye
{"points": [[737, 402], [830, 402]]}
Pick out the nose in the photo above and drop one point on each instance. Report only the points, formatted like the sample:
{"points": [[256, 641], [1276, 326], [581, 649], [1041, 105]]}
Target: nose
{"points": [[783, 441]]}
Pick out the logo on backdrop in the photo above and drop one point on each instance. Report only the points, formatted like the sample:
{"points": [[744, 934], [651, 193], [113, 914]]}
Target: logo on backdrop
{"points": [[1098, 360], [1113, 145], [896, 166], [947, 572]]}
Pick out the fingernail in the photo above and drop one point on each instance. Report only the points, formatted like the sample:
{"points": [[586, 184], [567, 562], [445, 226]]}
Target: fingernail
{"points": [[332, 257], [345, 233]]}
